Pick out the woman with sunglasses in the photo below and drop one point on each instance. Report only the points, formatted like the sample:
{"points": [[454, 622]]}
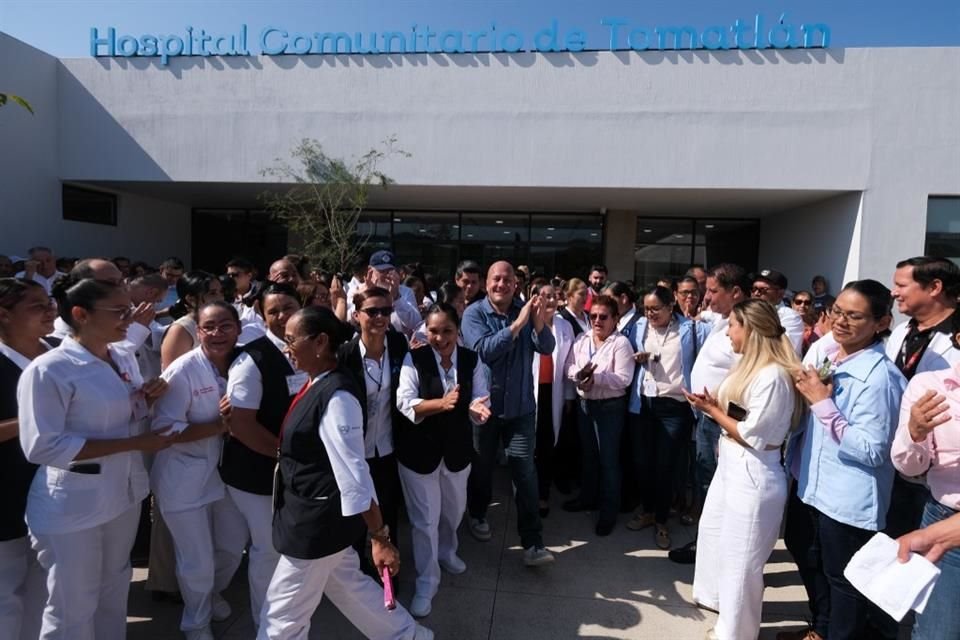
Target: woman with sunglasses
{"points": [[374, 358], [26, 316], [324, 499], [854, 398], [756, 406], [659, 419], [185, 481], [601, 366], [194, 289], [79, 407]]}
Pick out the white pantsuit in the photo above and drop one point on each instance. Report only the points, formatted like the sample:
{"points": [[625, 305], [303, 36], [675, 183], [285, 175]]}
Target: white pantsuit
{"points": [[298, 586], [738, 530], [88, 579], [23, 590], [250, 522], [435, 505], [205, 565]]}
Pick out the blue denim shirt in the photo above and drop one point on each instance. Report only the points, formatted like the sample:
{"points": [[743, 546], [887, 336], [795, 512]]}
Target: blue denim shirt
{"points": [[851, 480], [510, 359], [692, 335]]}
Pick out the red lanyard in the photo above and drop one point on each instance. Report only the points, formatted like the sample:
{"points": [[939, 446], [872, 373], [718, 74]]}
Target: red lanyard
{"points": [[296, 399]]}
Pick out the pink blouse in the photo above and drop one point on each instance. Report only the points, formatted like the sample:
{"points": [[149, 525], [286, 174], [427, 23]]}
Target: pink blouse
{"points": [[614, 360], [937, 455]]}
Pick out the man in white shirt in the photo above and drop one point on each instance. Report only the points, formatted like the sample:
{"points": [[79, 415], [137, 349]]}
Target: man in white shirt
{"points": [[382, 273], [727, 284], [41, 267], [770, 285]]}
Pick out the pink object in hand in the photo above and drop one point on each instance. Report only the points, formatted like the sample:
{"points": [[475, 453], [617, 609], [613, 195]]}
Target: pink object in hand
{"points": [[389, 602]]}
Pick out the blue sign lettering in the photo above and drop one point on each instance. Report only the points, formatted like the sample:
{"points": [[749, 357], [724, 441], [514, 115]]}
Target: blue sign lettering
{"points": [[622, 35]]}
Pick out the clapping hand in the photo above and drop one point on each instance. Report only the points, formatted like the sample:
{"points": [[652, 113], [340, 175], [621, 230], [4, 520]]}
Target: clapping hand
{"points": [[144, 313], [153, 389], [810, 385], [225, 409], [479, 411], [926, 414], [702, 402], [450, 398]]}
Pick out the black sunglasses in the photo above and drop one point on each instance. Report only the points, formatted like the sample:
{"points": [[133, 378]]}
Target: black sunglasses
{"points": [[376, 312]]}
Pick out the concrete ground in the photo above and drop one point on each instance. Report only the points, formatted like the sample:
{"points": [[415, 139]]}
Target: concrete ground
{"points": [[619, 587]]}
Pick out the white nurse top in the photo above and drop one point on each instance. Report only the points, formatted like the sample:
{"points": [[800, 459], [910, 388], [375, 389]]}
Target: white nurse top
{"points": [[184, 476], [66, 397]]}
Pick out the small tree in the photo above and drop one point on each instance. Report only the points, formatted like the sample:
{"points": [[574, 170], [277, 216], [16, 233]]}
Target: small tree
{"points": [[326, 199]]}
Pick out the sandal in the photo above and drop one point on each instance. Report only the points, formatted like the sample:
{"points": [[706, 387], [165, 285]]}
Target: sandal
{"points": [[662, 537]]}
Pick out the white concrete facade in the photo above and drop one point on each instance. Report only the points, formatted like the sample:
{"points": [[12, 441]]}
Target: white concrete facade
{"points": [[859, 137]]}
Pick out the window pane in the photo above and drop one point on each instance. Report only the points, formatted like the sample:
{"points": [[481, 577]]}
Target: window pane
{"points": [[943, 228], [438, 259], [735, 241], [425, 226], [503, 228], [375, 227], [565, 228], [664, 231], [653, 262], [488, 253]]}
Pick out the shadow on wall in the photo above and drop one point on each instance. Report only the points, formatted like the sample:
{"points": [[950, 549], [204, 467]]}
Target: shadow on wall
{"points": [[525, 59], [92, 144]]}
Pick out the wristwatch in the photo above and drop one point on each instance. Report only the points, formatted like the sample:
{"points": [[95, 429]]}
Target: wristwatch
{"points": [[381, 535]]}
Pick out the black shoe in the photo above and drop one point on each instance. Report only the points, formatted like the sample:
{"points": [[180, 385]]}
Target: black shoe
{"points": [[604, 528], [576, 505], [686, 554]]}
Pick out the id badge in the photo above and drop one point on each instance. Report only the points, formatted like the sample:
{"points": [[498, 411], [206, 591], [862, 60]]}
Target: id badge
{"points": [[296, 382], [650, 386]]}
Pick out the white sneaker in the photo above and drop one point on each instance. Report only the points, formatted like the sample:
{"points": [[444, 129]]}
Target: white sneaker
{"points": [[453, 565], [420, 607], [479, 529], [537, 556], [199, 634], [422, 633], [221, 608]]}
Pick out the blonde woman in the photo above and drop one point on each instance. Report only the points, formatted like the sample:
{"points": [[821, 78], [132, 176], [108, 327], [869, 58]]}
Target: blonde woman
{"points": [[756, 407]]}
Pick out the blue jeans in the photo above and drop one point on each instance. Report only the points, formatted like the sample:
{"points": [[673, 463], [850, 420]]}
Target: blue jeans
{"points": [[941, 618], [601, 428], [708, 443], [518, 436]]}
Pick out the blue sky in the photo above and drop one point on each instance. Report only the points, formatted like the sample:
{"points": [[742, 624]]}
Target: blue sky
{"points": [[62, 27]]}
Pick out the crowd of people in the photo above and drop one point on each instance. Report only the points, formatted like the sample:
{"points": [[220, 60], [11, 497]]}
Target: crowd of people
{"points": [[296, 417]]}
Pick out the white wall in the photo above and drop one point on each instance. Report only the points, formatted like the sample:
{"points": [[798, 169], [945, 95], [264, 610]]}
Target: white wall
{"points": [[30, 212], [818, 239]]}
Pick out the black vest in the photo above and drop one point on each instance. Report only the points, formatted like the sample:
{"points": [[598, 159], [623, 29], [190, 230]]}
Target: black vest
{"points": [[351, 360], [444, 436], [16, 474], [307, 519], [242, 467]]}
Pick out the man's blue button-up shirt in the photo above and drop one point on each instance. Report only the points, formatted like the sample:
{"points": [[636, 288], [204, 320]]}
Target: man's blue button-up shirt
{"points": [[510, 360]]}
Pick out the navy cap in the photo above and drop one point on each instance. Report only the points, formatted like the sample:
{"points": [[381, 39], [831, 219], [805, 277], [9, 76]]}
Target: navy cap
{"points": [[775, 278], [382, 260]]}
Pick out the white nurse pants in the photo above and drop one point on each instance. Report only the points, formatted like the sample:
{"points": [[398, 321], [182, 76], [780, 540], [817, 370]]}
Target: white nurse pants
{"points": [[23, 591], [251, 522], [435, 505], [298, 586], [204, 566], [88, 579], [738, 529]]}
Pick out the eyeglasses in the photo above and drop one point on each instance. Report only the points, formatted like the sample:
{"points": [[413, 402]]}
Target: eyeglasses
{"points": [[761, 290], [377, 312], [653, 310], [803, 302], [602, 317], [854, 317], [235, 274], [688, 294], [292, 340], [123, 313], [223, 327]]}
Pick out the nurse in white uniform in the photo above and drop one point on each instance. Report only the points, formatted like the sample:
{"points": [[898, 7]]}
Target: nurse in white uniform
{"points": [[78, 407], [185, 479]]}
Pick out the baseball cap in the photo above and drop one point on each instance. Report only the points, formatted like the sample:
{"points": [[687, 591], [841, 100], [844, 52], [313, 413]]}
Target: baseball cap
{"points": [[775, 278], [382, 260]]}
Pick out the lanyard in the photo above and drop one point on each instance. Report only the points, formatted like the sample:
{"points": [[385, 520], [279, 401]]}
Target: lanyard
{"points": [[296, 399], [666, 334], [366, 371]]}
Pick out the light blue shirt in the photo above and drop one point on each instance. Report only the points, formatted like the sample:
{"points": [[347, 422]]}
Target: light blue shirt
{"points": [[692, 336], [851, 480]]}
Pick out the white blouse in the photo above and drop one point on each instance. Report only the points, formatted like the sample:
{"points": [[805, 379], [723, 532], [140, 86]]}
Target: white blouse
{"points": [[408, 393], [185, 476], [769, 404], [67, 397]]}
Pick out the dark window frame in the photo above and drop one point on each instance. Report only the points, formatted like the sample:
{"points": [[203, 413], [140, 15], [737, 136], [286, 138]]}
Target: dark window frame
{"points": [[107, 220]]}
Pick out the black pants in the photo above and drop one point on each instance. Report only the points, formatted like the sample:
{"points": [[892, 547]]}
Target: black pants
{"points": [[802, 538], [386, 481], [566, 454], [659, 433], [543, 456]]}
